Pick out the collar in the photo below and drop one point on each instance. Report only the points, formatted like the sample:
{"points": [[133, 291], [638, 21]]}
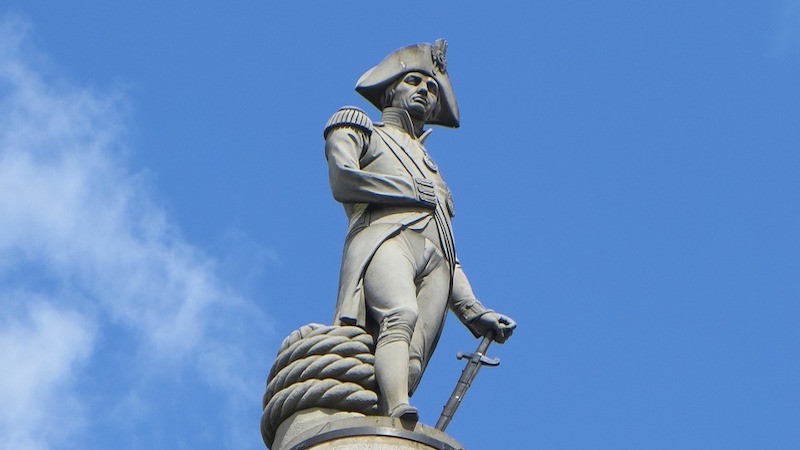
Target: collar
{"points": [[398, 117]]}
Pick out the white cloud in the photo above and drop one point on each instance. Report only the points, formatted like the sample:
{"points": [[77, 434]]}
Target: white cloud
{"points": [[79, 233], [42, 349]]}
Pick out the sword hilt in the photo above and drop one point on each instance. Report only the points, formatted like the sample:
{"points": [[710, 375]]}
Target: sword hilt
{"points": [[477, 357]]}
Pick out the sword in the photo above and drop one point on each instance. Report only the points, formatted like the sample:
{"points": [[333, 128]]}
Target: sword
{"points": [[476, 360]]}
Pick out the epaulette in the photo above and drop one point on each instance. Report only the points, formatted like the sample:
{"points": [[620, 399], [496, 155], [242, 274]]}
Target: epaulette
{"points": [[349, 116]]}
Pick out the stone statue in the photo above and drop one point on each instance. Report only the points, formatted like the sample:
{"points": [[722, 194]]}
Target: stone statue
{"points": [[400, 273], [347, 385]]}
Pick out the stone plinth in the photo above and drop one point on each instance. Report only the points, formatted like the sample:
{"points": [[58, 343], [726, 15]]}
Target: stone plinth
{"points": [[324, 430]]}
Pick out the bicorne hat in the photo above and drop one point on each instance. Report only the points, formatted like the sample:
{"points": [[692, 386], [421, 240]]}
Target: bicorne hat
{"points": [[425, 58]]}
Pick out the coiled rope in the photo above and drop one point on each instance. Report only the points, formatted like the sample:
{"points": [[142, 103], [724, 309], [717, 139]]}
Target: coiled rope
{"points": [[320, 366]]}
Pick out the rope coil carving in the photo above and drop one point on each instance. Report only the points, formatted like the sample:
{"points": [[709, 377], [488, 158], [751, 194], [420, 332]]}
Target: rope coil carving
{"points": [[320, 366]]}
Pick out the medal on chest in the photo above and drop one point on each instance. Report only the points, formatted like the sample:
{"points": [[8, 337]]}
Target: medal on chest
{"points": [[429, 162]]}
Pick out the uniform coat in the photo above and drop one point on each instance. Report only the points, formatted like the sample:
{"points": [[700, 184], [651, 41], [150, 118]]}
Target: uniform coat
{"points": [[384, 177]]}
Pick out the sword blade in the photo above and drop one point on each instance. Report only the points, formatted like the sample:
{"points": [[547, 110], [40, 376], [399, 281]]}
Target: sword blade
{"points": [[476, 360]]}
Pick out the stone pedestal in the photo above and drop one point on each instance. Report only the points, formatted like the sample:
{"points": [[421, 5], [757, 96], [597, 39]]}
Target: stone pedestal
{"points": [[328, 430]]}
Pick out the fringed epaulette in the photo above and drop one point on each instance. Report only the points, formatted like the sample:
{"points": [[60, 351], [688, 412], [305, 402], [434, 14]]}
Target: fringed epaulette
{"points": [[349, 116]]}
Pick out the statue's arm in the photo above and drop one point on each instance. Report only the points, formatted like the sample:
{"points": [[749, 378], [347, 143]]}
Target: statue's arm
{"points": [[463, 301], [473, 314], [347, 139]]}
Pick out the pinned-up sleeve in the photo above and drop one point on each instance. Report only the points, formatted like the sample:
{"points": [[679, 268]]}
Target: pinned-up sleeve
{"points": [[346, 143]]}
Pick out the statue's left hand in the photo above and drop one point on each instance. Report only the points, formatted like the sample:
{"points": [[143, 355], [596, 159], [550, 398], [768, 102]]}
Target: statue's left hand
{"points": [[502, 326]]}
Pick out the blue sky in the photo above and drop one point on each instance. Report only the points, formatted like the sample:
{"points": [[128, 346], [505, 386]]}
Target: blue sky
{"points": [[625, 177]]}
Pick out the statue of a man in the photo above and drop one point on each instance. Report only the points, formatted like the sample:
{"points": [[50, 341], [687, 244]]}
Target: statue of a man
{"points": [[399, 270]]}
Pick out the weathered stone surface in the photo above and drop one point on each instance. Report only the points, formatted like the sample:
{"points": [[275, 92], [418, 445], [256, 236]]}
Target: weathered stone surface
{"points": [[307, 421], [363, 433]]}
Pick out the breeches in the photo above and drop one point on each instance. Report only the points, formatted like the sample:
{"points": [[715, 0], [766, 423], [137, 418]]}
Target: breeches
{"points": [[406, 288]]}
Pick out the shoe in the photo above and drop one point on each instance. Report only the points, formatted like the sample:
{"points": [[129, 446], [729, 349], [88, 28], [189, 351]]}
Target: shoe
{"points": [[404, 411]]}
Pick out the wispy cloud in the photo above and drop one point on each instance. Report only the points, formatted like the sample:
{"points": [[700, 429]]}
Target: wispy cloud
{"points": [[85, 249], [43, 347]]}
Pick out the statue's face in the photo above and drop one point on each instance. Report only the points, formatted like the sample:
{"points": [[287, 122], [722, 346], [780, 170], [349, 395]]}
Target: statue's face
{"points": [[418, 94]]}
